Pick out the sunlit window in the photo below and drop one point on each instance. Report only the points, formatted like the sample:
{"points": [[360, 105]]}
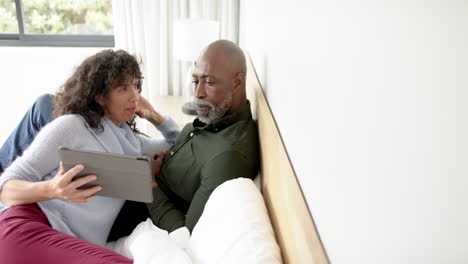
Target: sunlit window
{"points": [[8, 19], [56, 23]]}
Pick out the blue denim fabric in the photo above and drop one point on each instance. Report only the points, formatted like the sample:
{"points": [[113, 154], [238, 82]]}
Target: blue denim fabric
{"points": [[39, 115]]}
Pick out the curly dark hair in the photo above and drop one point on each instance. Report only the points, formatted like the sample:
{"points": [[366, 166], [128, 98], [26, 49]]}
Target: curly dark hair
{"points": [[95, 76]]}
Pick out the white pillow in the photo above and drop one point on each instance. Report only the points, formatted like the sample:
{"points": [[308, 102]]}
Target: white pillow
{"points": [[234, 227], [148, 244]]}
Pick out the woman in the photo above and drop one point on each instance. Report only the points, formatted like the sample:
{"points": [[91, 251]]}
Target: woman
{"points": [[44, 217]]}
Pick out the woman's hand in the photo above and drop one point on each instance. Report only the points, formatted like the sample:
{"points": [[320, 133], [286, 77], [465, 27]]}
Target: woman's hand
{"points": [[18, 192], [145, 110], [156, 164], [62, 186]]}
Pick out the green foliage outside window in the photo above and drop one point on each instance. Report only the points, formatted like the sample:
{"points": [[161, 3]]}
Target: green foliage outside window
{"points": [[8, 22], [59, 16]]}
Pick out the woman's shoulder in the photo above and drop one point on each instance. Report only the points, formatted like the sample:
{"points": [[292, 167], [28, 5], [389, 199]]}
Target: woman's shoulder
{"points": [[63, 130], [71, 121], [70, 118]]}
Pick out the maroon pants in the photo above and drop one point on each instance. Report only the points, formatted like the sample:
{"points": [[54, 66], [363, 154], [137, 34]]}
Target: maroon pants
{"points": [[26, 237]]}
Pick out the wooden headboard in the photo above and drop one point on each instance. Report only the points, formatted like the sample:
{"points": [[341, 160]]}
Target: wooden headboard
{"points": [[291, 219]]}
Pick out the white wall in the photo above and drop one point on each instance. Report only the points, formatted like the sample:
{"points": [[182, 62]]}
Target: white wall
{"points": [[27, 72], [371, 99]]}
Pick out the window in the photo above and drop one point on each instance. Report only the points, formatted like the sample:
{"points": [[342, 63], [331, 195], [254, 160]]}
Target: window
{"points": [[66, 23]]}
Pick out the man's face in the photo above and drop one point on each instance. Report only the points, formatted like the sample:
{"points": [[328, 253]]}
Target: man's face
{"points": [[213, 88]]}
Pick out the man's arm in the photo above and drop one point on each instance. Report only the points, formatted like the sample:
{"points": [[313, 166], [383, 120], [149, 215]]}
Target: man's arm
{"points": [[164, 213], [226, 166]]}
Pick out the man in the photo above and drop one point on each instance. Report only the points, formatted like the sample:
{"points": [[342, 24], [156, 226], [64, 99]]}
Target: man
{"points": [[221, 144]]}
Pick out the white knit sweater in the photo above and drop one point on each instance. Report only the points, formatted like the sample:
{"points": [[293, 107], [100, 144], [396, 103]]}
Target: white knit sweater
{"points": [[90, 221]]}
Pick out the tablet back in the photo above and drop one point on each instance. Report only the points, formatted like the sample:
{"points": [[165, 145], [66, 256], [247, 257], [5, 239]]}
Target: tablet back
{"points": [[120, 176]]}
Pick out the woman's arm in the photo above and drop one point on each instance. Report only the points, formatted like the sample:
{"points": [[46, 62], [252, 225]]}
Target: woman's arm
{"points": [[166, 125], [28, 179], [18, 192], [145, 110]]}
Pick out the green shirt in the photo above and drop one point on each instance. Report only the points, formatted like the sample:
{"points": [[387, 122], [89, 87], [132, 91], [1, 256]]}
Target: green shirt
{"points": [[202, 158]]}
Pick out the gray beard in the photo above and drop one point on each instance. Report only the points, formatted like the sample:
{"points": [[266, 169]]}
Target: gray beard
{"points": [[215, 112]]}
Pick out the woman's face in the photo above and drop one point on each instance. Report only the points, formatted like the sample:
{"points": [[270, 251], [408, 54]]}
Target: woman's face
{"points": [[121, 102]]}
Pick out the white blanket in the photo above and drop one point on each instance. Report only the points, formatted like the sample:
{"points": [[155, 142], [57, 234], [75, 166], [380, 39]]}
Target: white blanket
{"points": [[149, 244], [234, 228]]}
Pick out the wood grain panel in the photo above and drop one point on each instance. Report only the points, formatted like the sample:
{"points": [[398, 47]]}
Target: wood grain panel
{"points": [[294, 227]]}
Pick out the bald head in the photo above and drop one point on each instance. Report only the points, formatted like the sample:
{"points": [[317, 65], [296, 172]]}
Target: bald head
{"points": [[229, 55], [219, 78]]}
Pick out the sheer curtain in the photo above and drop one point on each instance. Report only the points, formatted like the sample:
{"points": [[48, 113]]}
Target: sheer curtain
{"points": [[145, 28]]}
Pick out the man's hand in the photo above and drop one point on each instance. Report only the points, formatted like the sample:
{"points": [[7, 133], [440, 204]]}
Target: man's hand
{"points": [[156, 164], [62, 186]]}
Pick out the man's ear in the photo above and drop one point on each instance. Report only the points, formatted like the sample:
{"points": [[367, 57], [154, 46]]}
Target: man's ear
{"points": [[239, 80]]}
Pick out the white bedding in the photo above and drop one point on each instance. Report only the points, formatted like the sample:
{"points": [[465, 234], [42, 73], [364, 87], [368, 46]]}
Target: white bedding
{"points": [[234, 228], [148, 244]]}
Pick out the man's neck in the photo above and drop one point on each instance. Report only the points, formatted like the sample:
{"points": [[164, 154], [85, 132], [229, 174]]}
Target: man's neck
{"points": [[236, 106]]}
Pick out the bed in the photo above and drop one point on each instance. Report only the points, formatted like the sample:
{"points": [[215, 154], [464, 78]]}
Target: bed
{"points": [[245, 222]]}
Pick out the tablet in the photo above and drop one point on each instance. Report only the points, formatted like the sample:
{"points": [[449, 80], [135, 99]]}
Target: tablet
{"points": [[120, 176]]}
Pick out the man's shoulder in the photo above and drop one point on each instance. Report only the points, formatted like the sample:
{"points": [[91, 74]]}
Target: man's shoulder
{"points": [[240, 133]]}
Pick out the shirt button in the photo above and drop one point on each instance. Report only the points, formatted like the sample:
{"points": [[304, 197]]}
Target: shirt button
{"points": [[191, 134], [172, 153]]}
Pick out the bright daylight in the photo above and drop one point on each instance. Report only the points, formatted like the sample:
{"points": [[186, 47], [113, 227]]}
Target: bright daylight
{"points": [[233, 131]]}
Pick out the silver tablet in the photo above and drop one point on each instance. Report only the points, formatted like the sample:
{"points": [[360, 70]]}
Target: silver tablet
{"points": [[120, 176]]}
